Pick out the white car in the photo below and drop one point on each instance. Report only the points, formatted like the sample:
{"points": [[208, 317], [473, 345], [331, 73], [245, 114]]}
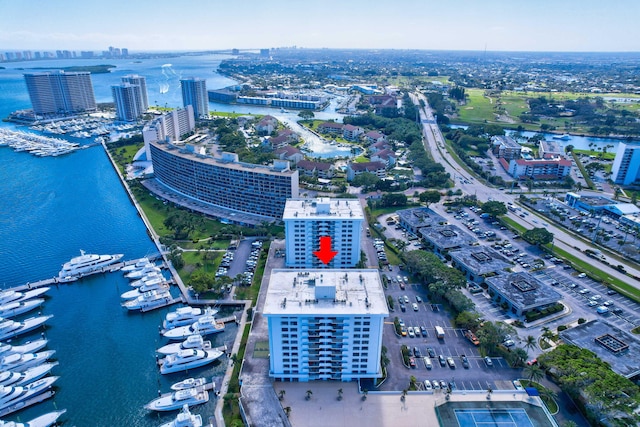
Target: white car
{"points": [[427, 385]]}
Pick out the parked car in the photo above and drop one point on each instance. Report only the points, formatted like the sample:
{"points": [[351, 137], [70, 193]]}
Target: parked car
{"points": [[488, 361], [451, 362], [465, 361], [443, 361], [414, 306], [416, 352], [431, 352], [423, 331], [412, 362]]}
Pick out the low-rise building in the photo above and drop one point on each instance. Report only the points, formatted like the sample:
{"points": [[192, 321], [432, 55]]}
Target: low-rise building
{"points": [[444, 238], [267, 125], [538, 169], [325, 324], [387, 157], [550, 150], [478, 263], [379, 169], [330, 128], [314, 169], [506, 148], [351, 133], [414, 219], [289, 153], [374, 137], [521, 293]]}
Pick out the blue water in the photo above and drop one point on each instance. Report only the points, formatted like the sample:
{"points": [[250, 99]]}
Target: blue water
{"points": [[52, 207]]}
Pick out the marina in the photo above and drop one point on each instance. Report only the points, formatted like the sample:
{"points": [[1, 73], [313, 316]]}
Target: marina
{"points": [[35, 144]]}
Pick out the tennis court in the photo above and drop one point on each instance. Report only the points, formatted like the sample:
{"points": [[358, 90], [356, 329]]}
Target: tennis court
{"points": [[482, 417], [492, 414]]}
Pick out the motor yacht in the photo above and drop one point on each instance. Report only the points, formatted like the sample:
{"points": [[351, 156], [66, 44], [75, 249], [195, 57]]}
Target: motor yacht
{"points": [[185, 419], [28, 347], [184, 316], [141, 263], [188, 359], [46, 420], [86, 264], [148, 269], [135, 293], [189, 383], [11, 378], [178, 399], [20, 362], [10, 328], [147, 278], [194, 341], [148, 300], [11, 295], [206, 325], [14, 397], [19, 307]]}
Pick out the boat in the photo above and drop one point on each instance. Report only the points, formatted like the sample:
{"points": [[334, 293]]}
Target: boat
{"points": [[189, 383], [564, 137], [184, 316], [20, 362], [14, 397], [178, 399], [148, 300], [185, 419], [204, 325], [28, 347], [194, 341], [46, 420], [19, 307], [147, 278], [86, 264], [12, 378], [141, 263], [148, 269], [11, 295], [10, 328], [188, 359], [135, 293]]}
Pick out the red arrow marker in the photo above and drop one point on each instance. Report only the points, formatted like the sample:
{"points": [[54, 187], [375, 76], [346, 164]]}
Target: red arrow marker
{"points": [[325, 254]]}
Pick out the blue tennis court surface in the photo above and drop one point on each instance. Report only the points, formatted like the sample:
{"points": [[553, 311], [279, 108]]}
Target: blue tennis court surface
{"points": [[503, 417]]}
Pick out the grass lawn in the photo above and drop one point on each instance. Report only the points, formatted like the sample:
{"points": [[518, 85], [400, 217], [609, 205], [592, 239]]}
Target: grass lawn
{"points": [[231, 115], [230, 409], [508, 222], [597, 154], [361, 159], [194, 261], [124, 155], [514, 105], [478, 109]]}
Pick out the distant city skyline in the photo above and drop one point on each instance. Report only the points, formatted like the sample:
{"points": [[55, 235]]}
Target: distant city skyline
{"points": [[494, 25]]}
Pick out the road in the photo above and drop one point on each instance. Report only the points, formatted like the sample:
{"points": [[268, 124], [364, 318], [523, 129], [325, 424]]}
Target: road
{"points": [[434, 143]]}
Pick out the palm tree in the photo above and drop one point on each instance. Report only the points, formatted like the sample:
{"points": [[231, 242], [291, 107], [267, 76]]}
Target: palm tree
{"points": [[546, 333], [309, 393], [281, 394], [533, 372], [339, 394], [530, 342]]}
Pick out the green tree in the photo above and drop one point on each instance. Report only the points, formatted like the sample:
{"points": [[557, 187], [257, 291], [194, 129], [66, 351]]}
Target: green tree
{"points": [[428, 197], [306, 114], [533, 372], [517, 357], [490, 334], [494, 208], [530, 342], [468, 320], [538, 236], [365, 179]]}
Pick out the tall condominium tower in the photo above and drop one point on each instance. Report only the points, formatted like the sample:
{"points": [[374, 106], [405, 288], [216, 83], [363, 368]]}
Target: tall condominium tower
{"points": [[126, 97], [169, 127], [58, 92], [194, 93], [305, 221], [626, 165], [137, 80]]}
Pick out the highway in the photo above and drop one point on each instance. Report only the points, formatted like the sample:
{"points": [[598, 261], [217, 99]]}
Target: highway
{"points": [[434, 143]]}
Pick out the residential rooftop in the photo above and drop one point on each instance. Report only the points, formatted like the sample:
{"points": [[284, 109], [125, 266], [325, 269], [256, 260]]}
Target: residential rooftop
{"points": [[620, 349], [323, 208], [523, 290], [323, 292]]}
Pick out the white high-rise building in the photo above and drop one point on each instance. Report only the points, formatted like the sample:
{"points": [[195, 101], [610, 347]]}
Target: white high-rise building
{"points": [[626, 165], [325, 324], [126, 98], [194, 93], [58, 92], [169, 127], [306, 220], [137, 80]]}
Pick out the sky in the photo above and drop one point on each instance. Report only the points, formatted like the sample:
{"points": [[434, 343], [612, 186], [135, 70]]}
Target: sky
{"points": [[190, 25]]}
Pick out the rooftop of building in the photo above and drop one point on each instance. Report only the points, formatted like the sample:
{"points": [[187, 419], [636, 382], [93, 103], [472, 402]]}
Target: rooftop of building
{"points": [[480, 260], [208, 153], [325, 292], [311, 165], [551, 147], [366, 166], [420, 217], [323, 208], [523, 290], [507, 141], [447, 236], [540, 162], [620, 349], [596, 200]]}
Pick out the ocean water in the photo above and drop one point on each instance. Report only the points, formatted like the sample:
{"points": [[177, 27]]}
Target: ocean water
{"points": [[52, 207]]}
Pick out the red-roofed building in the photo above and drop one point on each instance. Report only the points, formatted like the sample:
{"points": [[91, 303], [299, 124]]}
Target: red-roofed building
{"points": [[377, 168], [315, 169], [387, 157], [374, 137], [289, 153], [330, 127], [284, 137], [538, 169], [379, 146], [351, 132], [267, 125]]}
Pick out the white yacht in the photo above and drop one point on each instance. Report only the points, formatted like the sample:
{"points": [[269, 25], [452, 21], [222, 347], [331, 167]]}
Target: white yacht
{"points": [[10, 295], [20, 307], [148, 300], [189, 383], [86, 264], [11, 378], [14, 397], [20, 362], [151, 277], [178, 399], [141, 263], [138, 274], [135, 293], [184, 419], [194, 341], [46, 420], [206, 325], [28, 347], [186, 316], [188, 359], [10, 328]]}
